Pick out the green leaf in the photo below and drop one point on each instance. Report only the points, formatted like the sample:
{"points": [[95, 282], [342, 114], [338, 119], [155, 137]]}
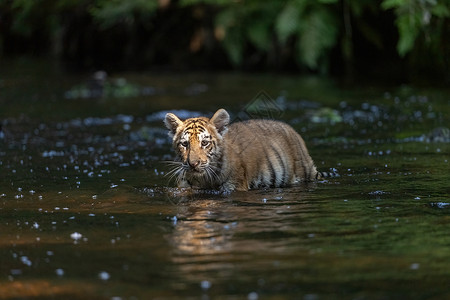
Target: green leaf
{"points": [[440, 10], [230, 21], [389, 4], [258, 33], [211, 2], [318, 33], [287, 22], [111, 12], [327, 1], [234, 46], [408, 28]]}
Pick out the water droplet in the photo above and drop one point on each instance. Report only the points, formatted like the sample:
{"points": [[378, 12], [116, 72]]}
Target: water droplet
{"points": [[26, 261], [59, 272], [76, 236], [205, 285], [104, 275]]}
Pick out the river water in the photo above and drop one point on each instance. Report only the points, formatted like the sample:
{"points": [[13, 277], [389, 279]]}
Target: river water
{"points": [[86, 211]]}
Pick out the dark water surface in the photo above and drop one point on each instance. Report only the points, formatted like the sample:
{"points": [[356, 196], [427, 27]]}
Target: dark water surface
{"points": [[86, 211]]}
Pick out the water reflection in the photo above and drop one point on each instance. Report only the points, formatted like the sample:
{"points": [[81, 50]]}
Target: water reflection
{"points": [[221, 234]]}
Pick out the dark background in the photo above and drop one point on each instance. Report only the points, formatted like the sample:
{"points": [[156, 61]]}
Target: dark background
{"points": [[398, 41]]}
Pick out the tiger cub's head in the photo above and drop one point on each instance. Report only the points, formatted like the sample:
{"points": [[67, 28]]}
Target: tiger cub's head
{"points": [[198, 144]]}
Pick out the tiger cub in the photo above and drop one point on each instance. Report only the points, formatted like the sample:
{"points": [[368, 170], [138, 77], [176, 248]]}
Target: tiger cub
{"points": [[213, 154]]}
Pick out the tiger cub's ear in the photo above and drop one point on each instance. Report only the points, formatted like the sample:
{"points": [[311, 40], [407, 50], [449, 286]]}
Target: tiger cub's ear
{"points": [[221, 119], [172, 122]]}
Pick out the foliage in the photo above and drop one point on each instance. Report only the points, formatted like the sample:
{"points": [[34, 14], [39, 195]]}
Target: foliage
{"points": [[305, 31], [314, 26], [415, 17], [27, 13], [236, 26], [112, 12]]}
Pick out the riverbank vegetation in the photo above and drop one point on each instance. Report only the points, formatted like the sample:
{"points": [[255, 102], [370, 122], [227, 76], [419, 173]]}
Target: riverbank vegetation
{"points": [[400, 39]]}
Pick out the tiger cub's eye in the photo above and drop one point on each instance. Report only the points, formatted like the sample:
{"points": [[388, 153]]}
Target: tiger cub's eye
{"points": [[205, 143], [184, 144]]}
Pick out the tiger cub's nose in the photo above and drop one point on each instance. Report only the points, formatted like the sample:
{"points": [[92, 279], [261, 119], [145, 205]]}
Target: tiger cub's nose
{"points": [[194, 163]]}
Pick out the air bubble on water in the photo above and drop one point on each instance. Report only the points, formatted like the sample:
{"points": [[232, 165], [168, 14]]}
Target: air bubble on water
{"points": [[16, 272], [35, 225], [205, 285], [26, 261], [76, 236], [414, 266], [104, 275], [310, 297], [113, 185], [174, 220], [417, 198], [59, 272], [94, 196], [252, 296], [91, 215]]}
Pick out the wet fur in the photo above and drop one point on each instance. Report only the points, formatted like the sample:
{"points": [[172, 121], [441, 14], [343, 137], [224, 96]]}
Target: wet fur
{"points": [[244, 155]]}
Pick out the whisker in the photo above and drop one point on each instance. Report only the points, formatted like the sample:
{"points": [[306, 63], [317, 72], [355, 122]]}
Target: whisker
{"points": [[178, 171]]}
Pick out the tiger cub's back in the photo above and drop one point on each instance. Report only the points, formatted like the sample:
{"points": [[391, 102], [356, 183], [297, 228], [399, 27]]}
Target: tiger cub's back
{"points": [[271, 153]]}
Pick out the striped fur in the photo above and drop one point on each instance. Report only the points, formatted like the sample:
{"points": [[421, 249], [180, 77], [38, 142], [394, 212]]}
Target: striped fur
{"points": [[241, 156]]}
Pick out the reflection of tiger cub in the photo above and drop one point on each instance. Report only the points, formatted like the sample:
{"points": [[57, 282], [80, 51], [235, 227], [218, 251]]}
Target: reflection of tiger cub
{"points": [[242, 156]]}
